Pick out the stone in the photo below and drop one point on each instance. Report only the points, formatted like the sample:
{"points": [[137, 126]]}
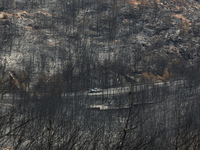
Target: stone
{"points": [[2, 16]]}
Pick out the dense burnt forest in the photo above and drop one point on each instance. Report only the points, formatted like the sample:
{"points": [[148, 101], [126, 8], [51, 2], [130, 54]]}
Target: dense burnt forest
{"points": [[88, 39], [143, 54]]}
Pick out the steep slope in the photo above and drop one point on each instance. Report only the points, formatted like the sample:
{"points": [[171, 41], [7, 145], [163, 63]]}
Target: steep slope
{"points": [[146, 35]]}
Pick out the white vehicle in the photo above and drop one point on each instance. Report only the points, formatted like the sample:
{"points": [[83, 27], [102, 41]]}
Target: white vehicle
{"points": [[95, 90]]}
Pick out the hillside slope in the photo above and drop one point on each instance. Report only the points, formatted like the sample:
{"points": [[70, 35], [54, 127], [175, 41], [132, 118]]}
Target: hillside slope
{"points": [[140, 35]]}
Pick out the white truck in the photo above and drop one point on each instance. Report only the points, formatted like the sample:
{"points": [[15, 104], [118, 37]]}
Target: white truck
{"points": [[95, 90]]}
